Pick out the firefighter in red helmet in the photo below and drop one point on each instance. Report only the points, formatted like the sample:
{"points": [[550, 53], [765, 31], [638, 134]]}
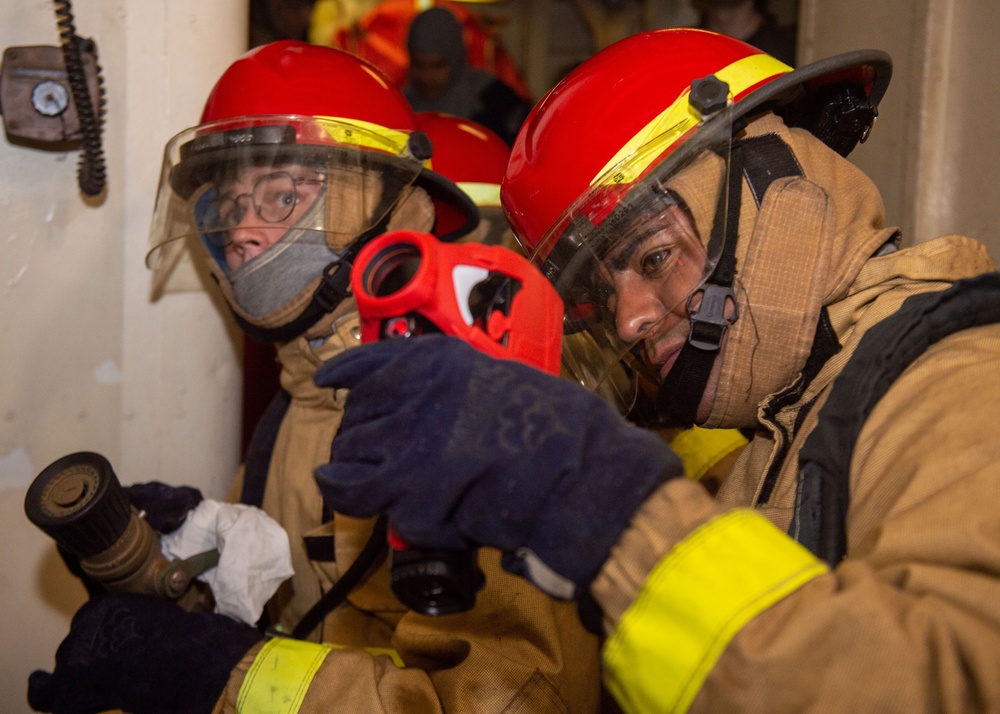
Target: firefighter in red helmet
{"points": [[360, 172], [304, 154], [725, 265]]}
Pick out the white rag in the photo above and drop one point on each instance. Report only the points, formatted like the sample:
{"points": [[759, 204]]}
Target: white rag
{"points": [[254, 556]]}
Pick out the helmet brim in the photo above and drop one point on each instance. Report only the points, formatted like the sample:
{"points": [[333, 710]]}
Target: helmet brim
{"points": [[800, 96], [457, 213]]}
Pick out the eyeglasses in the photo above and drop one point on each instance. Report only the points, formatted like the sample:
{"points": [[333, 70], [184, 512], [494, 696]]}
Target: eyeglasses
{"points": [[274, 198]]}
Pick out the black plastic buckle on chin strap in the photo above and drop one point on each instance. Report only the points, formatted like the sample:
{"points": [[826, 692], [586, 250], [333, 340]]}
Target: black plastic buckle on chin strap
{"points": [[681, 391], [708, 320], [335, 285]]}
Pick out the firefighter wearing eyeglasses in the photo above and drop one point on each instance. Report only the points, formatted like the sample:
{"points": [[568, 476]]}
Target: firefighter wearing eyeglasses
{"points": [[303, 155]]}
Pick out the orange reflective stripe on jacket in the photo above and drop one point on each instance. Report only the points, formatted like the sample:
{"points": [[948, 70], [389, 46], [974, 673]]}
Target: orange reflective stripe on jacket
{"points": [[693, 603], [281, 673]]}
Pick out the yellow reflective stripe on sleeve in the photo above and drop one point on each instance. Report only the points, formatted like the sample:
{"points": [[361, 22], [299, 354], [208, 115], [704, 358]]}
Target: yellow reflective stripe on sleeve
{"points": [[694, 602], [282, 671], [280, 676]]}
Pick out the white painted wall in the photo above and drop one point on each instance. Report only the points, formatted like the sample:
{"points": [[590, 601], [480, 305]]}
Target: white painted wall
{"points": [[933, 151], [88, 362]]}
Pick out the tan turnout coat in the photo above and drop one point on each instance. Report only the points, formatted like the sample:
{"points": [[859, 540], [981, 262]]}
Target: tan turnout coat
{"points": [[516, 651], [910, 620]]}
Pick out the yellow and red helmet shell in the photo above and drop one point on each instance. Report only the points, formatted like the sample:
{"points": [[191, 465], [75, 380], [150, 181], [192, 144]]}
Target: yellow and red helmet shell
{"points": [[296, 95], [637, 90]]}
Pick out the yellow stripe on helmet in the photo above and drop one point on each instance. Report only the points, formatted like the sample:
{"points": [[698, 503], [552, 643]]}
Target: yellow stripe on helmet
{"points": [[357, 132], [675, 121], [694, 602]]}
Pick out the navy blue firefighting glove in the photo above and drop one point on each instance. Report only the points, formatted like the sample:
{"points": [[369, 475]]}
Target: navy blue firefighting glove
{"points": [[165, 507], [141, 654], [460, 449]]}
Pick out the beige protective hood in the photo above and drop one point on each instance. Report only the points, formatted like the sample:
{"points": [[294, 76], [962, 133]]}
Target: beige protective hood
{"points": [[800, 250]]}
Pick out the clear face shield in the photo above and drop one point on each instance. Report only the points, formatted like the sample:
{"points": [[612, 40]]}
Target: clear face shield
{"points": [[631, 255], [272, 200]]}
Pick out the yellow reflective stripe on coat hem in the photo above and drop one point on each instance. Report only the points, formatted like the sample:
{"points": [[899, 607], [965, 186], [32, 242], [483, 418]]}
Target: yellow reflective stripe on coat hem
{"points": [[700, 449], [282, 671], [694, 602]]}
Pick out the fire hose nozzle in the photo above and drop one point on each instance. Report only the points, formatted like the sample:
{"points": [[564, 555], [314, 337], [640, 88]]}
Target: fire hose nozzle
{"points": [[79, 502]]}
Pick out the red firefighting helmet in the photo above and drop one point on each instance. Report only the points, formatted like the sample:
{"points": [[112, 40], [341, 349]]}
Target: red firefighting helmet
{"points": [[289, 77], [475, 159], [468, 153], [299, 79], [619, 143]]}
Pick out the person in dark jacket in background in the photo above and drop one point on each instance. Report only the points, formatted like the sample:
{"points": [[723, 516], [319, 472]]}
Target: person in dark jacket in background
{"points": [[441, 81], [751, 21]]}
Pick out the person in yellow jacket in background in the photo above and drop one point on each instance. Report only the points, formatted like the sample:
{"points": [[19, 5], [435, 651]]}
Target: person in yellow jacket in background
{"points": [[690, 199], [303, 155]]}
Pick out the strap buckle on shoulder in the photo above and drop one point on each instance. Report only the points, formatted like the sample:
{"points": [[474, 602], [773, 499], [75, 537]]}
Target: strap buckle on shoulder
{"points": [[335, 285], [708, 320]]}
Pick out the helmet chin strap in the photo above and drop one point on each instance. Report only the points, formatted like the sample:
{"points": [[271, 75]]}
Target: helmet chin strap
{"points": [[681, 391]]}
